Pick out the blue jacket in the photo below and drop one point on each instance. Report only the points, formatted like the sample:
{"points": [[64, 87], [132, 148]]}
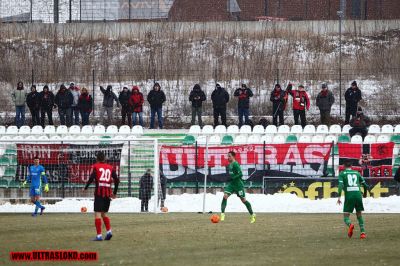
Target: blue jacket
{"points": [[35, 176]]}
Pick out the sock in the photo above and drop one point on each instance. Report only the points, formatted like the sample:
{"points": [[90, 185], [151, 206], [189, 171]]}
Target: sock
{"points": [[97, 223], [347, 221], [37, 203], [106, 221], [248, 206], [36, 209], [223, 205], [361, 223]]}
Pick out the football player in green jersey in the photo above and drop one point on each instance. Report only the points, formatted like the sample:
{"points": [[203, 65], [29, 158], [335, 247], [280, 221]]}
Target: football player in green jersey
{"points": [[235, 185], [350, 182]]}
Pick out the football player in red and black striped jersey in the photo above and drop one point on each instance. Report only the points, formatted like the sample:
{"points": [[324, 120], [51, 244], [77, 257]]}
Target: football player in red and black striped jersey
{"points": [[103, 174]]}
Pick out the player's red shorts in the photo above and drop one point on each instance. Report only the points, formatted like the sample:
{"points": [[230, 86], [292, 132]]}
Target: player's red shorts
{"points": [[101, 204]]}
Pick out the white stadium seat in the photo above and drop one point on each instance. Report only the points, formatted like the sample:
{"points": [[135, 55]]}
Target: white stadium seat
{"points": [[25, 130], [37, 130], [68, 137], [258, 129], [335, 129], [397, 129], [12, 130], [317, 139], [201, 140], [195, 130], [345, 129], [309, 129], [50, 129], [124, 130], [43, 137], [322, 129], [87, 130], [383, 138], [82, 138], [278, 139], [357, 139], [284, 129], [387, 129], [74, 130], [2, 129], [233, 129], [19, 137], [266, 138], [55, 137], [214, 140], [207, 129], [245, 129], [99, 129], [113, 129], [137, 130], [240, 139], [374, 129], [296, 130], [4, 137], [271, 129], [253, 139], [370, 139], [331, 138], [62, 130], [220, 129], [304, 139], [31, 137]]}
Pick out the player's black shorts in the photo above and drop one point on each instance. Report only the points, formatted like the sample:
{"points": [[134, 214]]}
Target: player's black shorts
{"points": [[101, 204]]}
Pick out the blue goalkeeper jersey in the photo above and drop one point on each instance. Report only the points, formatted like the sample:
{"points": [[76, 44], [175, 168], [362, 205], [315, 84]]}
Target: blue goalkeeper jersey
{"points": [[35, 176]]}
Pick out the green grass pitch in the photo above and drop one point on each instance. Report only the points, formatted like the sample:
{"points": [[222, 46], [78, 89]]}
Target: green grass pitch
{"points": [[191, 239]]}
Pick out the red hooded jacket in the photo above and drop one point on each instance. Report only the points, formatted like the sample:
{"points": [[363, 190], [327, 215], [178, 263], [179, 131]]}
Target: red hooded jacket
{"points": [[300, 100], [136, 100]]}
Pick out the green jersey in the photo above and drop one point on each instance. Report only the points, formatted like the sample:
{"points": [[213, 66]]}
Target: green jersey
{"points": [[236, 175], [350, 181]]}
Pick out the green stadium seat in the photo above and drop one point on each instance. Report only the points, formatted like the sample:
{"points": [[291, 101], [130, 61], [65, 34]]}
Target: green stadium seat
{"points": [[291, 139], [10, 172], [343, 139], [105, 140], [335, 149], [3, 183], [15, 184], [395, 139], [189, 140], [4, 161], [330, 171], [227, 140], [397, 161], [10, 152]]}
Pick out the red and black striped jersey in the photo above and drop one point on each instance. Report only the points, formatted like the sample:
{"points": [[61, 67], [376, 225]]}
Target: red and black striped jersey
{"points": [[103, 174]]}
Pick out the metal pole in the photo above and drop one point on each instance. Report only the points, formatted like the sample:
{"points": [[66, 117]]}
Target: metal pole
{"points": [[80, 10], [195, 167], [156, 175], [341, 15], [33, 76], [129, 170], [205, 178], [62, 176], [31, 11], [129, 10], [70, 11], [93, 84]]}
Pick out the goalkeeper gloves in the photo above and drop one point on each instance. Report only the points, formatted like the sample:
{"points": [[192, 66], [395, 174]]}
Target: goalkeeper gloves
{"points": [[46, 188], [23, 184]]}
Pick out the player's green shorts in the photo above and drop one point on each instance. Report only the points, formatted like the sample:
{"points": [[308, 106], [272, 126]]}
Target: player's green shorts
{"points": [[353, 202], [239, 190]]}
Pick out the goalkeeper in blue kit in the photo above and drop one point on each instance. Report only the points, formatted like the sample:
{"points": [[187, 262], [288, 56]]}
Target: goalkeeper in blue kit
{"points": [[36, 175]]}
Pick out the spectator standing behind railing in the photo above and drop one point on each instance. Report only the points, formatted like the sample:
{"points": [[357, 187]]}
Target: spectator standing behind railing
{"points": [[46, 105], [145, 188], [325, 100], [279, 100], [301, 102], [85, 106], [123, 98], [33, 102], [108, 104], [359, 124], [75, 90], [197, 97], [352, 97], [136, 104], [19, 99], [220, 98], [64, 100], [156, 98], [243, 94]]}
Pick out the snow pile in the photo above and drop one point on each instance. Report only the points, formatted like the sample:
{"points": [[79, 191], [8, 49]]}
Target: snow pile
{"points": [[194, 203]]}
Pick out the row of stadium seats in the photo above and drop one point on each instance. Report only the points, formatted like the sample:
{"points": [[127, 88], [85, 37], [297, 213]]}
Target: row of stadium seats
{"points": [[279, 139], [73, 130], [285, 129], [75, 138]]}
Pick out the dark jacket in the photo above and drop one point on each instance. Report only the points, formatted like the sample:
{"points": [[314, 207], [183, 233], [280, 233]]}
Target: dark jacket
{"points": [[33, 100], [136, 100], [85, 103], [109, 97], [46, 100], [352, 98], [325, 100], [278, 99], [156, 98], [219, 97], [146, 186], [243, 95], [64, 98], [397, 175], [360, 122], [124, 98], [197, 96], [163, 184]]}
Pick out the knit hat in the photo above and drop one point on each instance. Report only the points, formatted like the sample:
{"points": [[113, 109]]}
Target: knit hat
{"points": [[354, 83], [324, 86]]}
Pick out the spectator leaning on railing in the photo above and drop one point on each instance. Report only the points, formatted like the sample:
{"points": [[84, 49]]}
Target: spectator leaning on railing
{"points": [[64, 100], [19, 98], [123, 98], [108, 104], [75, 91], [220, 98], [301, 102], [156, 98], [279, 100], [46, 105], [325, 100], [197, 97], [136, 104], [85, 106], [359, 124], [33, 102], [352, 97], [243, 94]]}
